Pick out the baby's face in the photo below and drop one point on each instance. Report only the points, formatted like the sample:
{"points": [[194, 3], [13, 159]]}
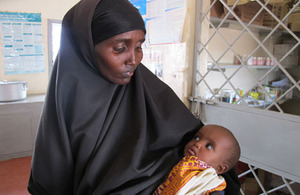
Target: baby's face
{"points": [[210, 145]]}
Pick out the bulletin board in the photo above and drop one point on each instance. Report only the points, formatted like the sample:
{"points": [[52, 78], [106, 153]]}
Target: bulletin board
{"points": [[22, 40], [164, 51], [164, 19]]}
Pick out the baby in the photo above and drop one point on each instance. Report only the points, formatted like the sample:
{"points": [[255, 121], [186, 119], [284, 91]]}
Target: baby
{"points": [[214, 150]]}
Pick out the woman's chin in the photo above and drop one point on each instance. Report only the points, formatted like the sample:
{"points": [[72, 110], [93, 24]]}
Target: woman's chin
{"points": [[121, 81]]}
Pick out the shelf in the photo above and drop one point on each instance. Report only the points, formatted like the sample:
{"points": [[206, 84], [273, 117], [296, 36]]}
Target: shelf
{"points": [[234, 24], [224, 66], [29, 99]]}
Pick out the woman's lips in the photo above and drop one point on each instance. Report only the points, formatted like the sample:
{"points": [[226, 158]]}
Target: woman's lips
{"points": [[129, 73]]}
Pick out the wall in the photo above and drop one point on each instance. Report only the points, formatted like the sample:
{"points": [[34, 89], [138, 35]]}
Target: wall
{"points": [[54, 9], [177, 58]]}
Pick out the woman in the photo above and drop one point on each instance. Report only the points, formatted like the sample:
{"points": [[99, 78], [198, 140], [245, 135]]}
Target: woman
{"points": [[108, 126]]}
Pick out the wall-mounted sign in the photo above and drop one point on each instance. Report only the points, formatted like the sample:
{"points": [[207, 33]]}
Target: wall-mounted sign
{"points": [[164, 19], [22, 42]]}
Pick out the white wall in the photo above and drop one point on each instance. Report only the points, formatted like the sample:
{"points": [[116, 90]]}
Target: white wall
{"points": [[176, 58], [53, 9]]}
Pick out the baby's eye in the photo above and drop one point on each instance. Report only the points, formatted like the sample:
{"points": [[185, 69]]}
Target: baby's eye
{"points": [[209, 146], [196, 138]]}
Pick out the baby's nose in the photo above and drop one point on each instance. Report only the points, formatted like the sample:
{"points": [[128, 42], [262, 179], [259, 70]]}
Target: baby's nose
{"points": [[198, 144]]}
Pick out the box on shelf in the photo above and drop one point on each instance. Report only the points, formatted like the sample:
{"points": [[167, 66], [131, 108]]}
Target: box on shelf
{"points": [[289, 60], [241, 2], [279, 10], [282, 49], [294, 22], [278, 1], [295, 26], [269, 20], [217, 10], [247, 11], [294, 17]]}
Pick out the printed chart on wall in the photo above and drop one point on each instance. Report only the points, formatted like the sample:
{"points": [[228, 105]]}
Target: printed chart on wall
{"points": [[166, 17], [22, 42]]}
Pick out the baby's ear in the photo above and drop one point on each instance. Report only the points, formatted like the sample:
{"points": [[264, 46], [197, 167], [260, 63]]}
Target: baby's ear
{"points": [[222, 168]]}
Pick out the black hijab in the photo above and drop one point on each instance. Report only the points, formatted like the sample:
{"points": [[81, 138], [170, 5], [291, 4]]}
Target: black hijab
{"points": [[96, 137], [115, 17]]}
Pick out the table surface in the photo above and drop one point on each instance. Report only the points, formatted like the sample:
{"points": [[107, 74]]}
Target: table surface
{"points": [[29, 99]]}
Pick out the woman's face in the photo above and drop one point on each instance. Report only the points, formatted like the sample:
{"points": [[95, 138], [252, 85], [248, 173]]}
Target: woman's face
{"points": [[118, 56]]}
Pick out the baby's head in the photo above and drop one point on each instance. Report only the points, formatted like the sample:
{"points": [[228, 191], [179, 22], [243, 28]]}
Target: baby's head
{"points": [[216, 146]]}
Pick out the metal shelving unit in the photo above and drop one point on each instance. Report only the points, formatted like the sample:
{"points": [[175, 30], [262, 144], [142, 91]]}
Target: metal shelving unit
{"points": [[265, 132]]}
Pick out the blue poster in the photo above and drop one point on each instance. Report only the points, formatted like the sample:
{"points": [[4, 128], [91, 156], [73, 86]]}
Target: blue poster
{"points": [[20, 17], [140, 5]]}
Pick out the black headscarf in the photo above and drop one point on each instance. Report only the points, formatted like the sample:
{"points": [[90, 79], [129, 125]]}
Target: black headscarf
{"points": [[115, 17], [96, 137]]}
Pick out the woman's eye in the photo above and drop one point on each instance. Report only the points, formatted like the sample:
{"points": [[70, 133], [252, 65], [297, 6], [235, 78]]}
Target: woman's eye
{"points": [[138, 48], [209, 146], [119, 49]]}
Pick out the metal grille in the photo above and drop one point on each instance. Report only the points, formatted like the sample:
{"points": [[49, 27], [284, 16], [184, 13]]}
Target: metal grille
{"points": [[247, 54], [258, 181], [269, 65]]}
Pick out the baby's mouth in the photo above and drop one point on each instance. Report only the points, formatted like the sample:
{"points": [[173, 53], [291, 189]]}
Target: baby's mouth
{"points": [[191, 152]]}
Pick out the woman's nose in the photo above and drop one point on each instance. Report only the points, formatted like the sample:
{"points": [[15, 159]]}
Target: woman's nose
{"points": [[132, 58]]}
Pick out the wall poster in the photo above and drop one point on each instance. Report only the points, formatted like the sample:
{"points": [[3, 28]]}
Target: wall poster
{"points": [[164, 19], [141, 6], [22, 42]]}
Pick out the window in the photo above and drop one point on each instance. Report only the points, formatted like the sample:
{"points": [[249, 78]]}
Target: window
{"points": [[54, 32]]}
